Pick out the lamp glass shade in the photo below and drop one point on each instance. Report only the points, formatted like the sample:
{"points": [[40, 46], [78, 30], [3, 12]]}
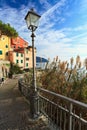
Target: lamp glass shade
{"points": [[32, 19]]}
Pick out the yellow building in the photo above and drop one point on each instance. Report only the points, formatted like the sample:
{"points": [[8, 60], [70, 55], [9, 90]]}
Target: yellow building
{"points": [[4, 47]]}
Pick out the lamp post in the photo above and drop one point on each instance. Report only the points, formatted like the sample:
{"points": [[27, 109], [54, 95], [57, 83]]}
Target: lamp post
{"points": [[32, 20]]}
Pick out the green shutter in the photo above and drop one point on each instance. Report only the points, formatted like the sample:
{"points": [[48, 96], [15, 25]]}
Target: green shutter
{"points": [[21, 55], [17, 61], [16, 54], [0, 52], [26, 64], [21, 61], [6, 46]]}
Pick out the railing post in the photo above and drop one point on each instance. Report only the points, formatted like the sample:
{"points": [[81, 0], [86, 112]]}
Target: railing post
{"points": [[70, 116]]}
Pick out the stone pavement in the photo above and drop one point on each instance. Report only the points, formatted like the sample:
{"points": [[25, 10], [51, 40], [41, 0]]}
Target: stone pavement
{"points": [[14, 109]]}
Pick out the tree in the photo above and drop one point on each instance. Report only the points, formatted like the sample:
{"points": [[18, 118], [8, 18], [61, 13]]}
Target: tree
{"points": [[6, 29]]}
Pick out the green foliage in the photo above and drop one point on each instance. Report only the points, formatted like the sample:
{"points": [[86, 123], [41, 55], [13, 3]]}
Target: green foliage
{"points": [[6, 29], [28, 78], [15, 69], [68, 79]]}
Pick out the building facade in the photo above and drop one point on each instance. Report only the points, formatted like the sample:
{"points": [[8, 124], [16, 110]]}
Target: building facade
{"points": [[22, 57], [17, 58], [5, 47], [18, 42], [17, 51], [22, 53], [4, 68]]}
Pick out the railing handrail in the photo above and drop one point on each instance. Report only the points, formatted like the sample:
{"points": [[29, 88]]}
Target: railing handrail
{"points": [[82, 105], [67, 114]]}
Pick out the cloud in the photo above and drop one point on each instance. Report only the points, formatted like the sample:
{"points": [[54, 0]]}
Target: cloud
{"points": [[53, 37], [50, 13], [83, 5], [45, 4], [53, 43], [64, 42], [14, 17], [78, 33]]}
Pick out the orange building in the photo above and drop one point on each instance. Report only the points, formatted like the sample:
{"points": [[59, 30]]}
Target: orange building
{"points": [[18, 42]]}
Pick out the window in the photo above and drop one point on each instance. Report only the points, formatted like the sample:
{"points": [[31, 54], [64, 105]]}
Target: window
{"points": [[27, 58], [2, 38], [17, 61], [16, 54], [26, 64], [21, 61], [21, 55], [27, 51], [6, 46], [0, 52], [6, 53]]}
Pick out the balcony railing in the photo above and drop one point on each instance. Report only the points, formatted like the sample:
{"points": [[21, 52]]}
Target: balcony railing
{"points": [[61, 112]]}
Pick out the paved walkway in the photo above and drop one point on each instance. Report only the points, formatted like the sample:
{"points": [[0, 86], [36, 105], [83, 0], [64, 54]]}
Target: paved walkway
{"points": [[14, 109]]}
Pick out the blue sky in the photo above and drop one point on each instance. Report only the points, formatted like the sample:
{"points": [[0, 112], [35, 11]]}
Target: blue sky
{"points": [[62, 27]]}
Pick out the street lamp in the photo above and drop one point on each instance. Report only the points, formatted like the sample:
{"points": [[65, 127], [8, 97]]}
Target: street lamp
{"points": [[32, 20]]}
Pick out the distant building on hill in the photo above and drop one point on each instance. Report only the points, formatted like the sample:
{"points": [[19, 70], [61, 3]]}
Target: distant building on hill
{"points": [[41, 62]]}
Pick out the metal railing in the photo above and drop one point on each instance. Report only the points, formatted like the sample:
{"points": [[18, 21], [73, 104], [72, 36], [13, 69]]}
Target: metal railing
{"points": [[62, 112]]}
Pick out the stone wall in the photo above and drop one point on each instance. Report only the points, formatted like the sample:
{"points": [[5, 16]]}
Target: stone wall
{"points": [[4, 68]]}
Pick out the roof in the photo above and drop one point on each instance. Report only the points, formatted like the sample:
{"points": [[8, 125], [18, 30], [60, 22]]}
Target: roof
{"points": [[41, 59], [16, 38]]}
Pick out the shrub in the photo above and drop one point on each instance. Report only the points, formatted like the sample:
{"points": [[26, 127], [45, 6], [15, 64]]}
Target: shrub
{"points": [[15, 69], [65, 78]]}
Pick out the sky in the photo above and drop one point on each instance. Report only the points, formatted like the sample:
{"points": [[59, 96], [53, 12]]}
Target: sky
{"points": [[62, 29]]}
